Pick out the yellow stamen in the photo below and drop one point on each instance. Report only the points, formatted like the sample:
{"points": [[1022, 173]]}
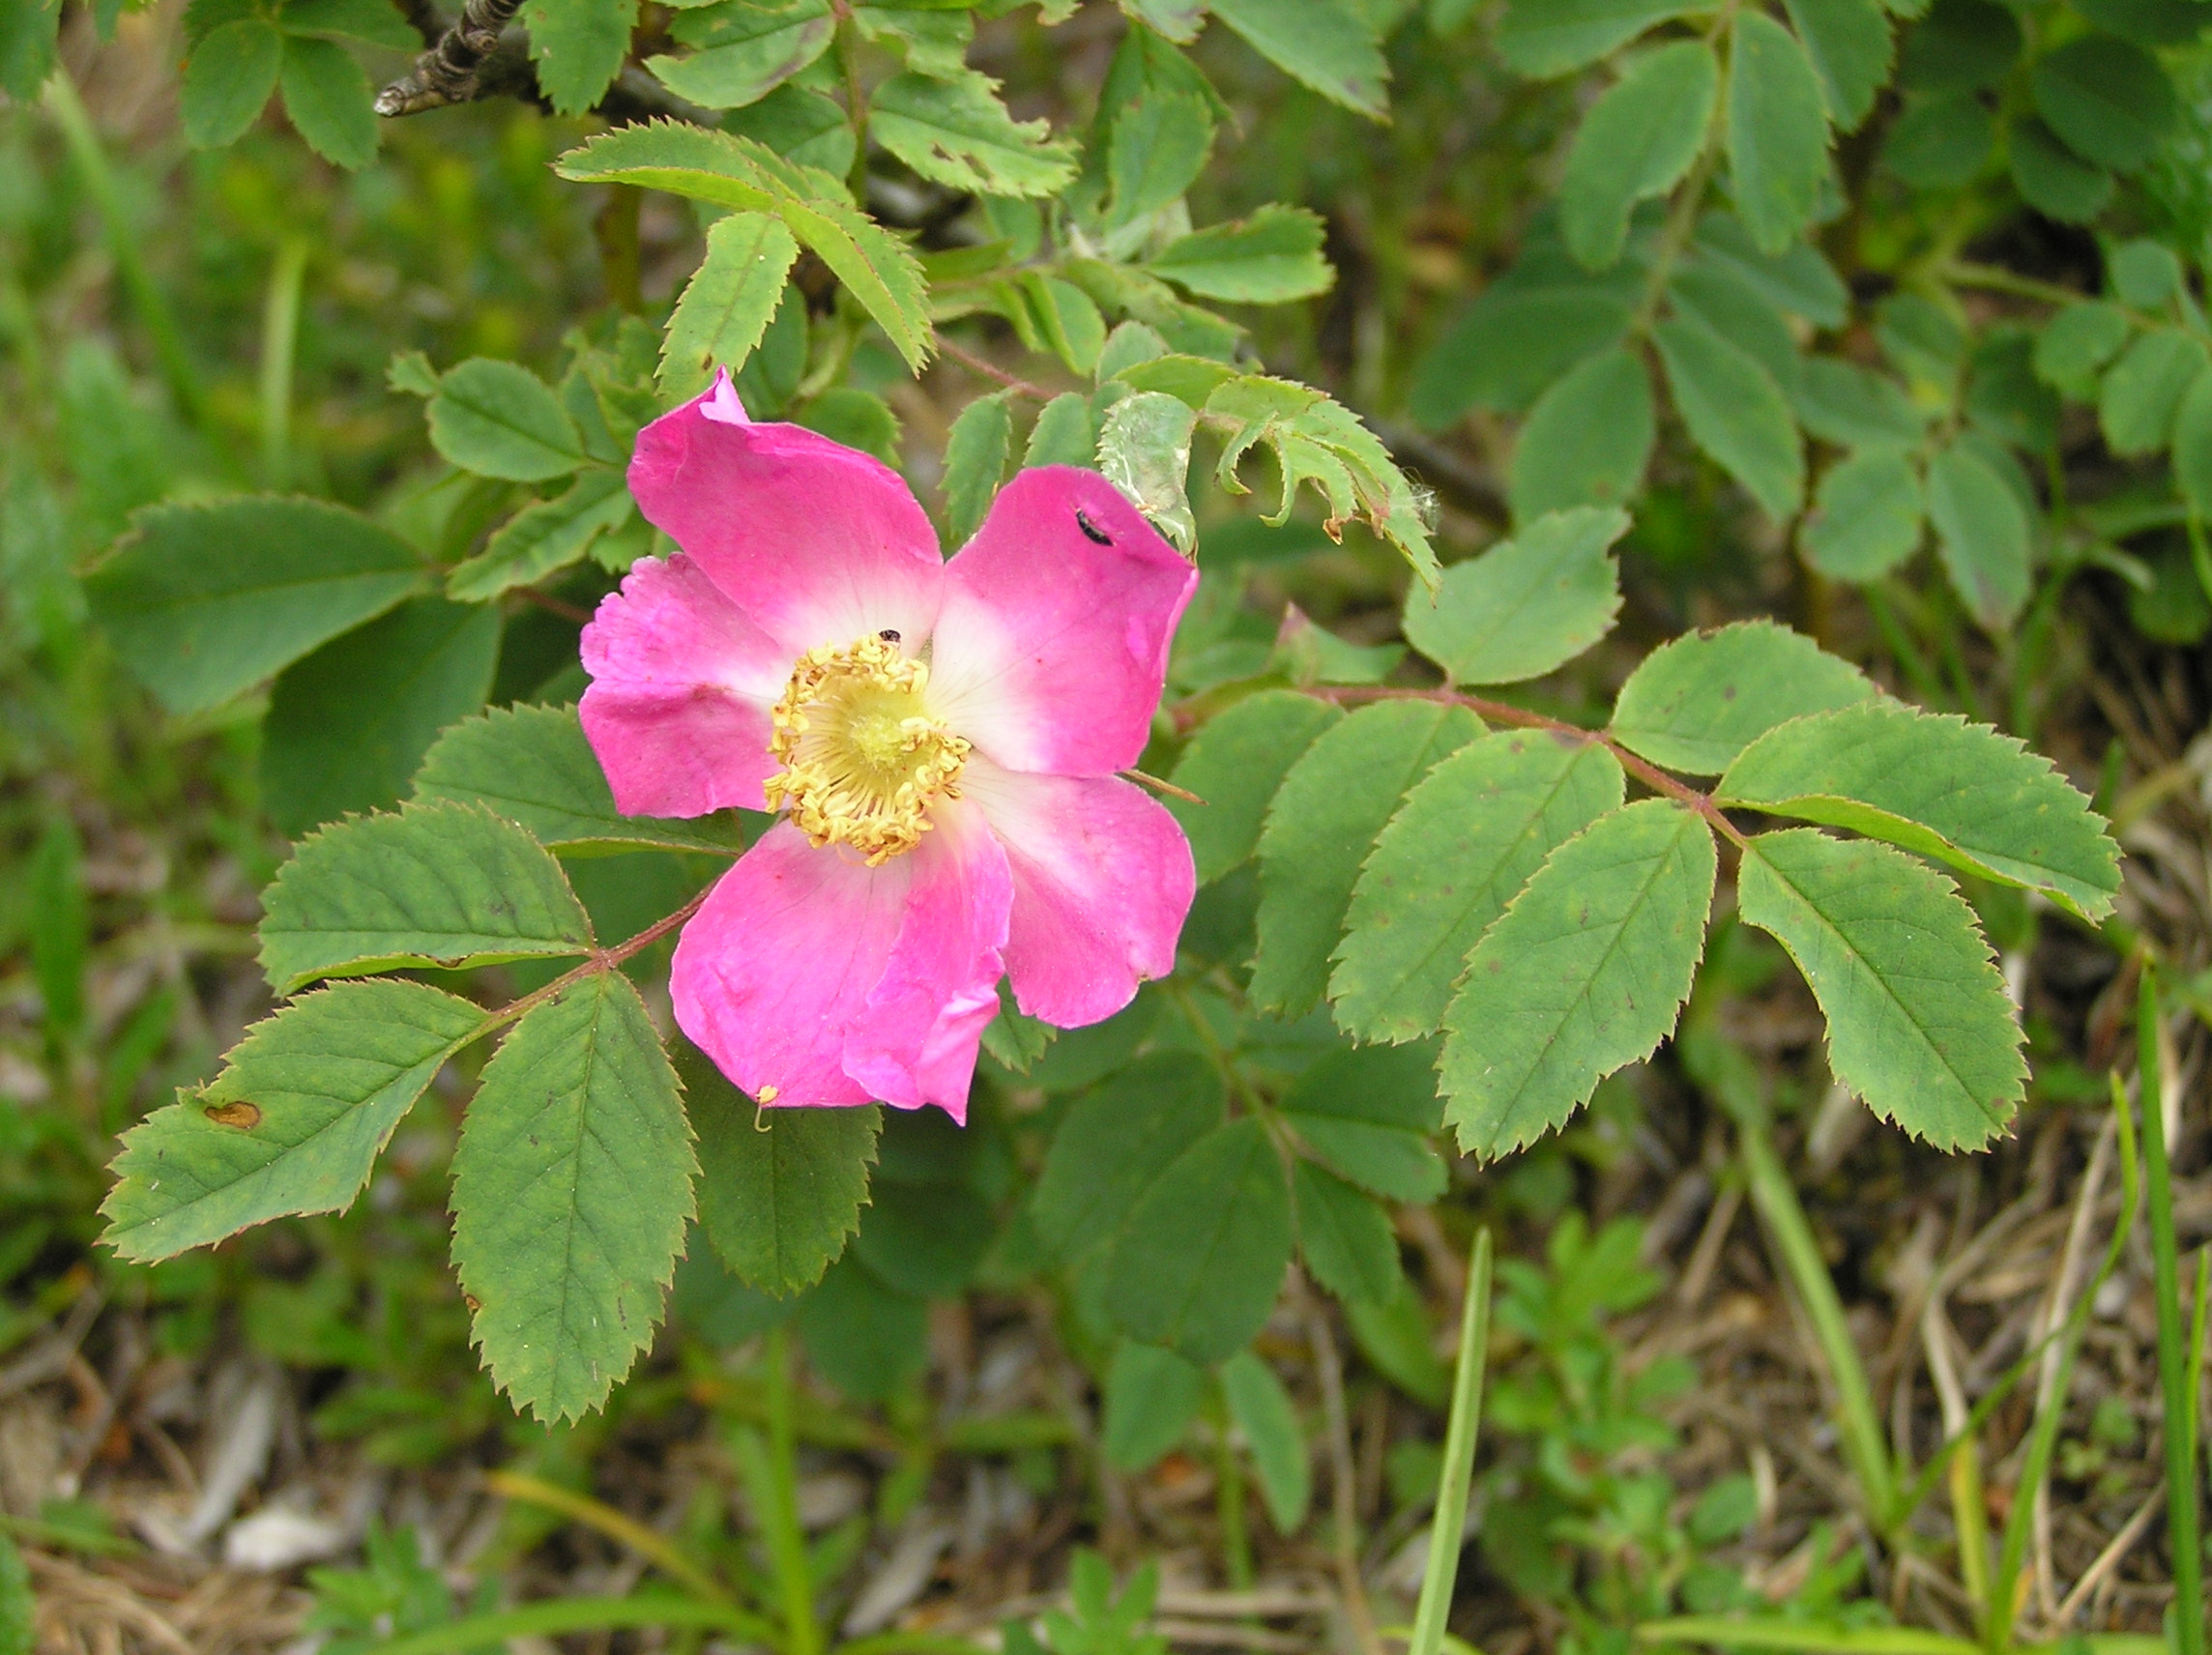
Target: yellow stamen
{"points": [[863, 761]]}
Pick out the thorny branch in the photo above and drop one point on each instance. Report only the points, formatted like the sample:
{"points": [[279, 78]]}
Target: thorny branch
{"points": [[451, 71]]}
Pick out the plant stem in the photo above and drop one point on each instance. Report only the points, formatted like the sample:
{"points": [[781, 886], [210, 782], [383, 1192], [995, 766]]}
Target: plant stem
{"points": [[578, 1614], [2181, 1512], [625, 1530], [280, 349], [1229, 1505], [1460, 1433]]}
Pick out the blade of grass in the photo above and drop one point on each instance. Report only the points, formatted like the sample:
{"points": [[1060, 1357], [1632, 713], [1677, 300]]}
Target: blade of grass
{"points": [[2043, 1436], [578, 1614], [623, 1529], [770, 1468], [1775, 1199], [2181, 1513], [1450, 1521], [280, 350], [1814, 1638]]}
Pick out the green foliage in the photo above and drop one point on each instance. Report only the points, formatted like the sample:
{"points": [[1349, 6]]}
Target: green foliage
{"points": [[1151, 1396], [1368, 1115], [1636, 143], [729, 301], [431, 885], [1583, 973], [293, 1124], [1525, 606], [1695, 704], [1235, 765], [1115, 1143], [1344, 1237], [571, 1191], [17, 1606], [1263, 1410], [1918, 1022]]}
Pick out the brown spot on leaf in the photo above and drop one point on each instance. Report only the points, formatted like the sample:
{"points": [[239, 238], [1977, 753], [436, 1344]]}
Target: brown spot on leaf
{"points": [[237, 1112]]}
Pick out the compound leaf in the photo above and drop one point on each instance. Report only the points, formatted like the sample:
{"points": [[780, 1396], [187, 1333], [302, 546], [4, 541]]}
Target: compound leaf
{"points": [[1919, 1024], [729, 301], [293, 1124], [1583, 973], [571, 1192]]}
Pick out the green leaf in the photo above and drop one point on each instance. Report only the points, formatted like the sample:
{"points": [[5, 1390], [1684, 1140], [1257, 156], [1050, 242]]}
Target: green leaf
{"points": [[784, 1188], [533, 765], [1202, 1257], [1547, 38], [1272, 256], [976, 455], [1522, 333], [2146, 22], [1588, 440], [2193, 445], [1066, 317], [1261, 1409], [1344, 1237], [60, 924], [1368, 1114], [932, 35], [228, 78], [1151, 1395], [1919, 1026], [1114, 1143], [1144, 449], [1926, 341], [800, 125], [2107, 100], [1457, 851], [1395, 1338], [729, 301], [1328, 45], [1981, 532], [497, 419], [29, 34], [2077, 342], [1849, 43], [571, 1192], [2051, 178], [1961, 45], [432, 884], [1797, 280], [327, 97], [2004, 398], [1941, 143], [372, 22], [204, 601], [1156, 149], [1696, 703], [957, 133], [1584, 973], [1527, 606], [19, 1610], [1735, 411], [1777, 135], [2142, 392], [866, 1338], [1933, 783], [347, 725], [927, 1239], [1736, 311], [1179, 20], [1320, 829], [1063, 434], [856, 418], [1853, 407], [1865, 517], [578, 48], [1634, 143], [745, 175], [545, 537], [739, 54], [1235, 762], [2144, 274], [293, 1124]]}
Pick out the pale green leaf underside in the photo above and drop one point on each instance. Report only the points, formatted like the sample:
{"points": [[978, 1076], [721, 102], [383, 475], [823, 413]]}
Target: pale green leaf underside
{"points": [[783, 1187], [1459, 850], [1696, 703], [533, 765], [1919, 1024], [1584, 973], [328, 1079], [571, 1191], [1933, 783], [1321, 828], [432, 884], [1526, 606]]}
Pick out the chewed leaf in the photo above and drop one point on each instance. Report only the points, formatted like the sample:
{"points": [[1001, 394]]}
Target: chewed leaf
{"points": [[1919, 1024], [1933, 783], [956, 132], [294, 1122], [1582, 974], [432, 884]]}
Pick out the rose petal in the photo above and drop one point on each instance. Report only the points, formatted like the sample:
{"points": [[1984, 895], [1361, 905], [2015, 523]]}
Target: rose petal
{"points": [[917, 1042], [681, 686], [818, 542], [775, 967], [1102, 881], [1052, 644]]}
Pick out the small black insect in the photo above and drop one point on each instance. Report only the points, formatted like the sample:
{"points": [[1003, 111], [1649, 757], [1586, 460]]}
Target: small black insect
{"points": [[889, 635], [1093, 531]]}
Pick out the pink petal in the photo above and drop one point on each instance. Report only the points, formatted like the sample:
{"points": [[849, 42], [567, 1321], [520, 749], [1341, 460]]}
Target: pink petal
{"points": [[917, 1043], [779, 965], [681, 686], [1052, 645], [837, 983], [1102, 880], [818, 542]]}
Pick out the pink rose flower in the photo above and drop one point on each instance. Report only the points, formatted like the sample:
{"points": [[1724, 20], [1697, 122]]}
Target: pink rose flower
{"points": [[941, 740]]}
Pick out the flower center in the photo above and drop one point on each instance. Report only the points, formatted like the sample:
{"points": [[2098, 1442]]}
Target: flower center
{"points": [[863, 758]]}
